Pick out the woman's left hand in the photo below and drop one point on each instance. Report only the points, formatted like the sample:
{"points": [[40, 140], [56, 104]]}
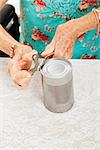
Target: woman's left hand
{"points": [[19, 66], [63, 41]]}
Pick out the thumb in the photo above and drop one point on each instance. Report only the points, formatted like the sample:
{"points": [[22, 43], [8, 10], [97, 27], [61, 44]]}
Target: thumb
{"points": [[49, 49]]}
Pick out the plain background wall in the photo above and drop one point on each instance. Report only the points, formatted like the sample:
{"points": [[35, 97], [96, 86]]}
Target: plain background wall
{"points": [[15, 3]]}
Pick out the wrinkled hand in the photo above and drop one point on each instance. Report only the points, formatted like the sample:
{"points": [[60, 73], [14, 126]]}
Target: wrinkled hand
{"points": [[63, 41], [19, 66]]}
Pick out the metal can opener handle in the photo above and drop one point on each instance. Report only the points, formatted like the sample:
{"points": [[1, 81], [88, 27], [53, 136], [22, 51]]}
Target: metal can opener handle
{"points": [[37, 65]]}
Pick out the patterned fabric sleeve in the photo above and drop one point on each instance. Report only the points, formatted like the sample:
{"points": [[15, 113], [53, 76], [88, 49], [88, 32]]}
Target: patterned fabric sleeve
{"points": [[89, 3], [98, 2], [40, 18], [94, 2]]}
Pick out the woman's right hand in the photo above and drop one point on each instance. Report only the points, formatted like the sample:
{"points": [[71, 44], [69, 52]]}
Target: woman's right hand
{"points": [[19, 66], [63, 41]]}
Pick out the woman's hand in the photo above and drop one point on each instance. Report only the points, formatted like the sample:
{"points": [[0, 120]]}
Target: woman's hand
{"points": [[19, 66], [67, 33], [63, 41]]}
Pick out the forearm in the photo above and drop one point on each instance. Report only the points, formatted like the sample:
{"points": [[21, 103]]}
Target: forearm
{"points": [[2, 3], [87, 23], [6, 41]]}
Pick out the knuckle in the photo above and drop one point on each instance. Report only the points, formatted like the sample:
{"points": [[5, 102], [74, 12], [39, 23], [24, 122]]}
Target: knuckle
{"points": [[48, 46], [59, 27]]}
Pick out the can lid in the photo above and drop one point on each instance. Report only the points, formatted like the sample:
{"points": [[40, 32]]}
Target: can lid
{"points": [[57, 71]]}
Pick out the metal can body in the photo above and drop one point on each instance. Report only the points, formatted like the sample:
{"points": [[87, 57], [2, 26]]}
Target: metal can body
{"points": [[57, 83]]}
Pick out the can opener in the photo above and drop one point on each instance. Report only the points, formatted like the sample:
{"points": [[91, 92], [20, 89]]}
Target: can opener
{"points": [[38, 66]]}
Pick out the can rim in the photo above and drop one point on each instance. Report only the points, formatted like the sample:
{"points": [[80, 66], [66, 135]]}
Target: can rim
{"points": [[52, 77]]}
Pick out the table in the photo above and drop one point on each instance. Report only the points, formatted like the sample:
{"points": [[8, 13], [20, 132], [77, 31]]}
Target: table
{"points": [[25, 124]]}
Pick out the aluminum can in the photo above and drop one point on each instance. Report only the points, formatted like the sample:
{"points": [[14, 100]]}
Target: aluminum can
{"points": [[57, 82]]}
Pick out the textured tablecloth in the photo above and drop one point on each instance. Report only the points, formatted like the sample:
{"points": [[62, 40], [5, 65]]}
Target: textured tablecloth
{"points": [[25, 124]]}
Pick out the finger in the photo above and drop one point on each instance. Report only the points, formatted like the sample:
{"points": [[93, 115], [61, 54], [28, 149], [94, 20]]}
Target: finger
{"points": [[13, 67], [61, 47], [26, 61], [69, 52], [22, 78], [28, 56], [51, 47]]}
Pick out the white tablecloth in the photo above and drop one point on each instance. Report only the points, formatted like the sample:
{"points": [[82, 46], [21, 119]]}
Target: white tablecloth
{"points": [[25, 124]]}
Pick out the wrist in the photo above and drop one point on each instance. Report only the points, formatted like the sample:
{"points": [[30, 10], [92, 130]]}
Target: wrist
{"points": [[14, 49], [86, 23], [19, 49]]}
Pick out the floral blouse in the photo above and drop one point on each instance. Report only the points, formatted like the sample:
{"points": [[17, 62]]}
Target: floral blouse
{"points": [[40, 18]]}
